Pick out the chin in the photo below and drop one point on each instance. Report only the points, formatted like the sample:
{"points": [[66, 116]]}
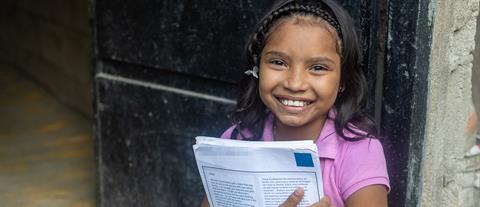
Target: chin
{"points": [[292, 121]]}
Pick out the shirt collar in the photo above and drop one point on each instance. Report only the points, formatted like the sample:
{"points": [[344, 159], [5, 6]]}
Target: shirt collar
{"points": [[327, 142]]}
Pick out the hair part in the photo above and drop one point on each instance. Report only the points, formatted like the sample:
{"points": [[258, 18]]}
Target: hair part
{"points": [[250, 112]]}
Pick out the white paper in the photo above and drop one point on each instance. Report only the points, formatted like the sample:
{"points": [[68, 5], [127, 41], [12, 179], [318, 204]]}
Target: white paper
{"points": [[255, 173]]}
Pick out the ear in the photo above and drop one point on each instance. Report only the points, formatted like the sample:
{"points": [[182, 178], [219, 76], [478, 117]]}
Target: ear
{"points": [[341, 88]]}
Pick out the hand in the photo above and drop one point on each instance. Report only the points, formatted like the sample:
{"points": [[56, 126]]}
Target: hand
{"points": [[295, 198]]}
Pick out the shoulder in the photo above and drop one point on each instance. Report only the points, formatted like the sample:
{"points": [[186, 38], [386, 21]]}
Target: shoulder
{"points": [[355, 151], [361, 151], [228, 133], [365, 146], [360, 142]]}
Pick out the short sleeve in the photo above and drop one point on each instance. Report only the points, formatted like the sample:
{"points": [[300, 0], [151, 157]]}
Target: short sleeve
{"points": [[363, 165], [228, 133]]}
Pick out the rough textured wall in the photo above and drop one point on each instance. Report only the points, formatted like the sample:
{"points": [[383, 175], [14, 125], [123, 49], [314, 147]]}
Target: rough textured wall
{"points": [[447, 179], [476, 70], [49, 41]]}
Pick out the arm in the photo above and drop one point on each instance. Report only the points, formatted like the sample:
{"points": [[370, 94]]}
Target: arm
{"points": [[371, 196], [205, 202]]}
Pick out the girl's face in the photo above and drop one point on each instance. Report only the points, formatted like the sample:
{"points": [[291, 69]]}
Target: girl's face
{"points": [[300, 74]]}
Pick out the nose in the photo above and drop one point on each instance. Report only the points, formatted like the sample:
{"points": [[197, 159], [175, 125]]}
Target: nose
{"points": [[295, 80]]}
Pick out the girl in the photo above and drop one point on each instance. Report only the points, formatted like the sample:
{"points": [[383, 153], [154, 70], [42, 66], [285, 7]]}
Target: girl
{"points": [[304, 82]]}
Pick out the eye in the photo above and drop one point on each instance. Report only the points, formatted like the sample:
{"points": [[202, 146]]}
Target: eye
{"points": [[277, 62], [318, 68]]}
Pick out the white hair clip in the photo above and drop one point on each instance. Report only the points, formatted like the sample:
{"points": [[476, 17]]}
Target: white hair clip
{"points": [[253, 71]]}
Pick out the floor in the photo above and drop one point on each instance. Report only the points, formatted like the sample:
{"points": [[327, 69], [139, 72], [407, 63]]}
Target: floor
{"points": [[46, 150]]}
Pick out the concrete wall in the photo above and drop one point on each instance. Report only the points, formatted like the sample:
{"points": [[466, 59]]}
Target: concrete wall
{"points": [[49, 41], [448, 178], [476, 70]]}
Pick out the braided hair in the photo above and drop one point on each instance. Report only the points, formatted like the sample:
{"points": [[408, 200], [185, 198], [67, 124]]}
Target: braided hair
{"points": [[250, 112]]}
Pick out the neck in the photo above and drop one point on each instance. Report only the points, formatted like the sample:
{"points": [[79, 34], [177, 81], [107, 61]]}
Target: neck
{"points": [[310, 131]]}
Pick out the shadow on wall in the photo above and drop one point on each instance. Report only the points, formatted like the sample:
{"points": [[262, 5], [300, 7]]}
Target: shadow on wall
{"points": [[49, 42]]}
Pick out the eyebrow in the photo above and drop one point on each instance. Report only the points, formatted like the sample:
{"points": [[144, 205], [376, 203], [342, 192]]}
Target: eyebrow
{"points": [[321, 59], [314, 59], [276, 53]]}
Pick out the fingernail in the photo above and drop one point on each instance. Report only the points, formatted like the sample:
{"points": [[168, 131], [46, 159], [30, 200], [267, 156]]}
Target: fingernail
{"points": [[298, 191]]}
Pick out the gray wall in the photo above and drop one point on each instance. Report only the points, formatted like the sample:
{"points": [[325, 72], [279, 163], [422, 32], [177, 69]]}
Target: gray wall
{"points": [[449, 179], [476, 70], [49, 41]]}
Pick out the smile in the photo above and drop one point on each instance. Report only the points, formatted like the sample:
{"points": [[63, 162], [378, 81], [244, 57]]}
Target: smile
{"points": [[294, 103]]}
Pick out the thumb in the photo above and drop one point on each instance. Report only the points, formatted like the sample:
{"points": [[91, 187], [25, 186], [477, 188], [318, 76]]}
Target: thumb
{"points": [[294, 198], [325, 201]]}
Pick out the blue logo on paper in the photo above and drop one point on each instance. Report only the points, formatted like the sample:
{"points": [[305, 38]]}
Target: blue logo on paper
{"points": [[303, 159]]}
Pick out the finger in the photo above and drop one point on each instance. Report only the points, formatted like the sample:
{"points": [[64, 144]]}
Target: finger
{"points": [[294, 198], [325, 201]]}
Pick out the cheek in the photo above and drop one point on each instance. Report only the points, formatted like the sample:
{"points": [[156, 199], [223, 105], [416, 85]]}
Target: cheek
{"points": [[265, 80], [268, 81], [262, 87], [327, 89]]}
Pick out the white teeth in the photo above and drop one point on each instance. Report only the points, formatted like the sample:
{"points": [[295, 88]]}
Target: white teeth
{"points": [[293, 103]]}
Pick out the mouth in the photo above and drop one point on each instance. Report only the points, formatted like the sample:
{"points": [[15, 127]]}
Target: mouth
{"points": [[293, 103]]}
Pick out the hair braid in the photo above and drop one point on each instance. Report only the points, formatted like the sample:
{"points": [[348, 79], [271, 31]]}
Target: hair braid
{"points": [[259, 36]]}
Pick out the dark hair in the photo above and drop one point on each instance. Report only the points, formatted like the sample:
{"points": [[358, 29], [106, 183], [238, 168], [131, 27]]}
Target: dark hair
{"points": [[250, 112]]}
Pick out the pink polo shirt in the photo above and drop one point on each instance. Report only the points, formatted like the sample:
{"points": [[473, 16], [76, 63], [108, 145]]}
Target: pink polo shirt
{"points": [[346, 166]]}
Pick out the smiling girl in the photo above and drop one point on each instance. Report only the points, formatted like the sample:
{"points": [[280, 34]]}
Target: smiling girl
{"points": [[304, 82]]}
